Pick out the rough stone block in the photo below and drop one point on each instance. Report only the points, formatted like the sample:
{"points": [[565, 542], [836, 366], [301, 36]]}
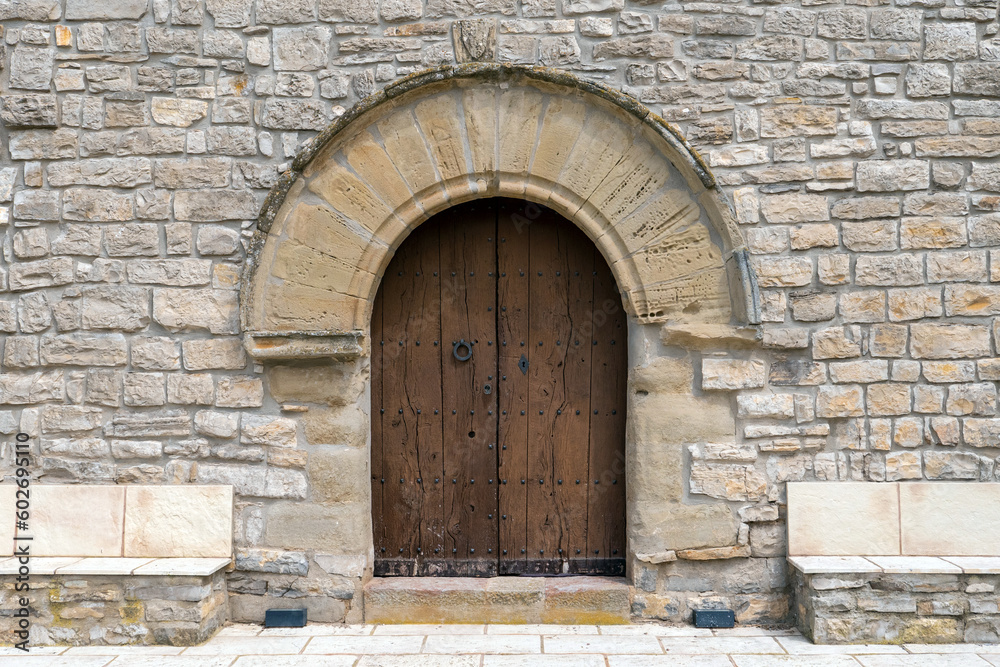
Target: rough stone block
{"points": [[301, 49], [220, 353], [338, 474], [798, 120], [795, 208], [190, 389], [83, 350], [732, 374], [268, 431], [890, 175], [951, 465], [839, 402], [949, 341], [728, 481], [214, 205], [890, 398], [144, 389], [215, 311], [783, 271]]}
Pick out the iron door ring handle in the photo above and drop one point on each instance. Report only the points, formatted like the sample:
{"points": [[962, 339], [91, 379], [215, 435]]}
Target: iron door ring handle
{"points": [[467, 346]]}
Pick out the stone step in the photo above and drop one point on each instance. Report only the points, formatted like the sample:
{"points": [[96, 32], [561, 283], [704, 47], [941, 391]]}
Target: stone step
{"points": [[564, 600]]}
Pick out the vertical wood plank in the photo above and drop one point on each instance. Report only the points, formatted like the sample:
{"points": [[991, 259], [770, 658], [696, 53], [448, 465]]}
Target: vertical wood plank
{"points": [[468, 311], [573, 430], [424, 384], [606, 502], [514, 297], [402, 501], [559, 386]]}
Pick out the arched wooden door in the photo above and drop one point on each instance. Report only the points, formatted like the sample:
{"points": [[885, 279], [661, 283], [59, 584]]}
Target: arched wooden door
{"points": [[499, 362]]}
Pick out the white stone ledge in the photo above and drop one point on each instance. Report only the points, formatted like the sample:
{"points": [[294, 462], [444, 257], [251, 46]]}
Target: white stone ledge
{"points": [[293, 345], [896, 564], [70, 566]]}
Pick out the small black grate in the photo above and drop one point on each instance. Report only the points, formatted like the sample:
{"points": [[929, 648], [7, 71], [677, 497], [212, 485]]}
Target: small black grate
{"points": [[285, 618], [714, 618]]}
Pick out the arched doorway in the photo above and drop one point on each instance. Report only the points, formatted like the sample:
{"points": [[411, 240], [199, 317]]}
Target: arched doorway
{"points": [[357, 192], [499, 369]]}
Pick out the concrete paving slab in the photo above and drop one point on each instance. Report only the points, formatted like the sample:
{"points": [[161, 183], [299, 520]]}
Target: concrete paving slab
{"points": [[296, 661], [446, 629], [249, 646], [604, 644], [695, 645], [364, 645], [174, 661], [802, 646], [796, 660], [671, 661], [544, 661], [420, 661], [487, 644], [480, 645], [927, 660]]}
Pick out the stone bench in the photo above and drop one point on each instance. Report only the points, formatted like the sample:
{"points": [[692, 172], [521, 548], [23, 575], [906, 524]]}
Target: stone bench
{"points": [[906, 562], [120, 564]]}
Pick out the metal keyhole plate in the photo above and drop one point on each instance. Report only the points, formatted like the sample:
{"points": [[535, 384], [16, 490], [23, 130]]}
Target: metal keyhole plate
{"points": [[523, 365], [487, 389]]}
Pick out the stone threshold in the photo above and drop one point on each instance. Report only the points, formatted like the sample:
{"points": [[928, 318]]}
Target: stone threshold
{"points": [[896, 564], [70, 565], [557, 600]]}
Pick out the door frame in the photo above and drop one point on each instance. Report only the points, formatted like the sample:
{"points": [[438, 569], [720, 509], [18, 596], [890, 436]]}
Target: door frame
{"points": [[591, 448]]}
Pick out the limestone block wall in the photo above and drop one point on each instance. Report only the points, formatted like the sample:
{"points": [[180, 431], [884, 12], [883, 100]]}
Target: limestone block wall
{"points": [[857, 143]]}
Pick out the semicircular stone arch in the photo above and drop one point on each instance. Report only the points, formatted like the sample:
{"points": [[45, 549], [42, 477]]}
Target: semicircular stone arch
{"points": [[434, 140]]}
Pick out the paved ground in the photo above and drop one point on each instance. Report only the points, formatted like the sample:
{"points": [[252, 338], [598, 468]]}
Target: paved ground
{"points": [[507, 646]]}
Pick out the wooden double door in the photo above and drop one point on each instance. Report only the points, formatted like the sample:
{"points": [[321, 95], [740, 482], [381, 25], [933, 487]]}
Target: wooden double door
{"points": [[498, 399]]}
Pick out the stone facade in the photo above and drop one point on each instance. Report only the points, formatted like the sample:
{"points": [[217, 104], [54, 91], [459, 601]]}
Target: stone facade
{"points": [[93, 609], [856, 143], [919, 608]]}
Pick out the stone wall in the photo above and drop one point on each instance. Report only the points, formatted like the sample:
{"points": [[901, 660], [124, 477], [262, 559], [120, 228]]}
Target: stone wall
{"points": [[855, 141], [920, 608], [93, 609]]}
